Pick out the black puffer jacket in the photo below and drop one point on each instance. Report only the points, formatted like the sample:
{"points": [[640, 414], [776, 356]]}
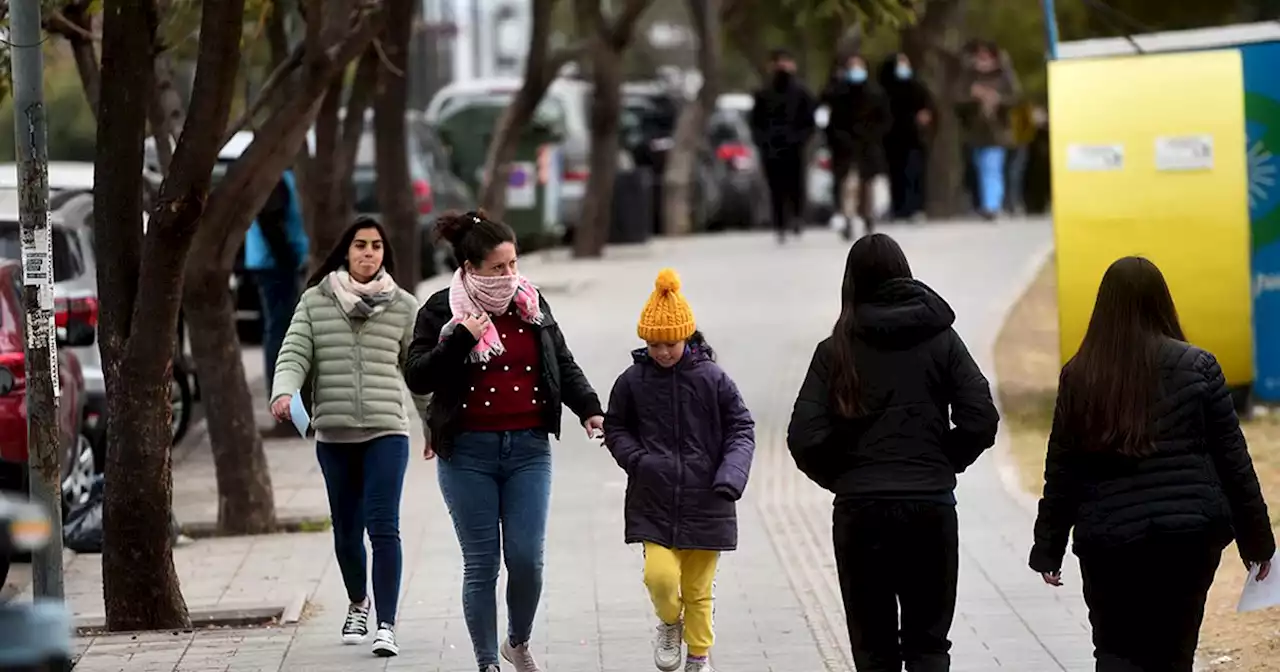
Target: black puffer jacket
{"points": [[917, 380], [1199, 479], [438, 368]]}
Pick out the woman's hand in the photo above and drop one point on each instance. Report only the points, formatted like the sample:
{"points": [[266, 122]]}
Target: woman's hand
{"points": [[1264, 570], [428, 453], [594, 426], [1052, 578], [280, 408], [476, 324]]}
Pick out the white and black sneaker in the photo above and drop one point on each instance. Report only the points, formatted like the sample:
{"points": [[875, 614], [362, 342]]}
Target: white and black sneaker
{"points": [[384, 643], [356, 628]]}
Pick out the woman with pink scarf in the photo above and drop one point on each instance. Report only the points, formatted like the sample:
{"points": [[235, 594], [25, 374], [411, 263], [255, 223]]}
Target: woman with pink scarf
{"points": [[496, 364]]}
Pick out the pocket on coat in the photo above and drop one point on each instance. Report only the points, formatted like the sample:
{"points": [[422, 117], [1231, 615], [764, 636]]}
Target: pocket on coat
{"points": [[708, 504]]}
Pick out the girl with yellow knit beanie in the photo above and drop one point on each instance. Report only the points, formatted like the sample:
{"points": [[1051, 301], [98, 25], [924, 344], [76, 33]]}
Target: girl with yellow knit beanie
{"points": [[677, 425]]}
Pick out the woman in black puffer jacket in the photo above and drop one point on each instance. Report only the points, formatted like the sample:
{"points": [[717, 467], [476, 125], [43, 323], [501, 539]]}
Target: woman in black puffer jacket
{"points": [[1147, 463]]}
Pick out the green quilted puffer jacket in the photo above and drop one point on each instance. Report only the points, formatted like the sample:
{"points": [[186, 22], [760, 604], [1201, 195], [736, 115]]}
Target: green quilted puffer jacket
{"points": [[357, 363]]}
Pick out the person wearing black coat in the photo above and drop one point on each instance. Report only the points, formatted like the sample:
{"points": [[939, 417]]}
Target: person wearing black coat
{"points": [[1147, 464], [858, 120], [873, 424], [781, 124], [906, 142]]}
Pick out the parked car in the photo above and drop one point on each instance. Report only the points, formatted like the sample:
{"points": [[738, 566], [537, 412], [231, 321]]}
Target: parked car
{"points": [[566, 99], [76, 299], [78, 465], [742, 196], [650, 114]]}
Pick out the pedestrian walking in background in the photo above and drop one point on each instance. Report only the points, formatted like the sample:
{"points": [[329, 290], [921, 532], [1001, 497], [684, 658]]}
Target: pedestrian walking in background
{"points": [[492, 355], [911, 107], [782, 123], [1147, 464], [1022, 133], [677, 426], [275, 253], [859, 119], [354, 318], [989, 90], [873, 423]]}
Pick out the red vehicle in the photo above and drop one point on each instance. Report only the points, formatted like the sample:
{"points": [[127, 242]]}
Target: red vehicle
{"points": [[77, 453]]}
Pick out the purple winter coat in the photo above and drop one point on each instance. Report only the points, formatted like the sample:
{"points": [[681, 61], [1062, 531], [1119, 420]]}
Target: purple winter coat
{"points": [[685, 440]]}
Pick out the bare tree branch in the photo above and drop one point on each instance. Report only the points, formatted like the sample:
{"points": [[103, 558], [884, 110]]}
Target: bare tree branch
{"points": [[624, 25], [268, 90]]}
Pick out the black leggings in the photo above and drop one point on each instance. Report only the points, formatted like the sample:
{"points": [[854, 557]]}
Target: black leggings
{"points": [[785, 176]]}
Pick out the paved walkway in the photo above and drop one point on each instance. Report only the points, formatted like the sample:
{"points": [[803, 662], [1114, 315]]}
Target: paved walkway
{"points": [[763, 308]]}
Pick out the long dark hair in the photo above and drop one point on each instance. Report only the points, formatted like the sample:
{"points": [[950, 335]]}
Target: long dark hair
{"points": [[1109, 387], [873, 261], [337, 257]]}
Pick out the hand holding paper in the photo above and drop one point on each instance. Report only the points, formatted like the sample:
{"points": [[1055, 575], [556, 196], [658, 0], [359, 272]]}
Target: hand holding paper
{"points": [[1259, 594], [298, 413]]}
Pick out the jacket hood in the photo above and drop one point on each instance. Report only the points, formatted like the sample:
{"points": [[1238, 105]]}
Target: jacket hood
{"points": [[692, 355], [901, 313]]}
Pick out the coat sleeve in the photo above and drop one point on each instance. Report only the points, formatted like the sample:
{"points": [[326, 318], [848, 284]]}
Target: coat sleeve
{"points": [[1060, 499], [1254, 537], [973, 413], [739, 432], [421, 402], [575, 390], [620, 426], [294, 361], [810, 430], [432, 362]]}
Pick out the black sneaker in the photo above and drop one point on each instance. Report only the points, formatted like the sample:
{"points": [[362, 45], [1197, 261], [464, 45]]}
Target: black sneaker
{"points": [[384, 643], [356, 627]]}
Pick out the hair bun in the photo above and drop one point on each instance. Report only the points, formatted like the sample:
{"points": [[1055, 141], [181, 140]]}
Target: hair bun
{"points": [[668, 280], [453, 225]]}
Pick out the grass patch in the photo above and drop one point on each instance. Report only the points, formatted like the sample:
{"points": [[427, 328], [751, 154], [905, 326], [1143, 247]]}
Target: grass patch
{"points": [[1027, 365]]}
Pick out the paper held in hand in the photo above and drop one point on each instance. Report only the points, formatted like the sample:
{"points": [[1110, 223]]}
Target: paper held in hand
{"points": [[298, 413], [1260, 594]]}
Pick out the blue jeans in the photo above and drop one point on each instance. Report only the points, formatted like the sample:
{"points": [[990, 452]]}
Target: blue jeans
{"points": [[364, 482], [278, 294], [988, 162], [497, 486]]}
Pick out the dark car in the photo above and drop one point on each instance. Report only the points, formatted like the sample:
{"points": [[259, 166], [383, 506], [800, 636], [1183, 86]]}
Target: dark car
{"points": [[649, 116], [78, 470]]}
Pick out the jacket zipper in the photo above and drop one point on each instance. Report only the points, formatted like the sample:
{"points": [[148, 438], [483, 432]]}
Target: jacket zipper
{"points": [[359, 357], [675, 400]]}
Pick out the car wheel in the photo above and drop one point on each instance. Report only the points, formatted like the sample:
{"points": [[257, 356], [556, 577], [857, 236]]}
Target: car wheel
{"points": [[79, 479], [180, 402]]}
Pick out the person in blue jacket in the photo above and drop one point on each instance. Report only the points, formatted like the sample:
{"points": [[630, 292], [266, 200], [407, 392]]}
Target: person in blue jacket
{"points": [[275, 253]]}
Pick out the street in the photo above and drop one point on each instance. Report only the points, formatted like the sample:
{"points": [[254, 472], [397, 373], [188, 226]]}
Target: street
{"points": [[763, 308]]}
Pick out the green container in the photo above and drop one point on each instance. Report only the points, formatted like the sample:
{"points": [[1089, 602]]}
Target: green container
{"points": [[530, 209]]}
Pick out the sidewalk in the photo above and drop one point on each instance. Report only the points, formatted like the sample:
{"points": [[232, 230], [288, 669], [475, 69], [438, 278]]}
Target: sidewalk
{"points": [[763, 308]]}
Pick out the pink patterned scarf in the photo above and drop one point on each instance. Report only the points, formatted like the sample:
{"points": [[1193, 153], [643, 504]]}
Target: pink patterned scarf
{"points": [[471, 294]]}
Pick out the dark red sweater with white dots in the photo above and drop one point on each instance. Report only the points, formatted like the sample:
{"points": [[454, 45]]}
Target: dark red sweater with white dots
{"points": [[503, 394]]}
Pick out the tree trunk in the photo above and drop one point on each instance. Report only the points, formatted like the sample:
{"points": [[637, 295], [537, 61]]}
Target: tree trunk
{"points": [[241, 465], [399, 212], [142, 277], [934, 44], [540, 70], [677, 182], [606, 106]]}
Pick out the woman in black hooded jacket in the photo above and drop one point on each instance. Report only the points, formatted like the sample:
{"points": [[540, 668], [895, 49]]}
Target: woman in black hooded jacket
{"points": [[1147, 463], [873, 424]]}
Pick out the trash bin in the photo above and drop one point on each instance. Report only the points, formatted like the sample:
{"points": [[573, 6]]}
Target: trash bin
{"points": [[468, 130], [631, 219]]}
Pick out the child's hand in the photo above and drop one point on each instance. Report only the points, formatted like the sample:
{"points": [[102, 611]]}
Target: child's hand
{"points": [[726, 492]]}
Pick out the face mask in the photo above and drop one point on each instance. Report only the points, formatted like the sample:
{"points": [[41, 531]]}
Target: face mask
{"points": [[903, 71], [856, 74]]}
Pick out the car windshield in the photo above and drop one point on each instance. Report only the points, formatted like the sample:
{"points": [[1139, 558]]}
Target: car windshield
{"points": [[66, 265]]}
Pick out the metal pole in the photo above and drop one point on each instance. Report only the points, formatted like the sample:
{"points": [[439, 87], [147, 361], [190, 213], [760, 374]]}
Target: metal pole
{"points": [[44, 471], [1051, 28], [477, 47]]}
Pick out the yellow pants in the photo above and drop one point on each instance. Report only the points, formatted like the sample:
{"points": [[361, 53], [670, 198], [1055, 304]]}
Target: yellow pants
{"points": [[681, 583]]}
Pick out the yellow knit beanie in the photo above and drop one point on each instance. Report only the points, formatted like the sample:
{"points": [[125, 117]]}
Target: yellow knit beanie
{"points": [[666, 317]]}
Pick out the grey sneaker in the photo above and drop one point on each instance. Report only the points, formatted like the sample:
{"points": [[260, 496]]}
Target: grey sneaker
{"points": [[668, 645], [520, 656], [698, 666]]}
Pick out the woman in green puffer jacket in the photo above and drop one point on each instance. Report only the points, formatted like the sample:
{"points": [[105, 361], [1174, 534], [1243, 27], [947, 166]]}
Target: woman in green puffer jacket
{"points": [[351, 333]]}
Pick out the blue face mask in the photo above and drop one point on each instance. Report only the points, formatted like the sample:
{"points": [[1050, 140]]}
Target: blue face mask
{"points": [[903, 71], [856, 75]]}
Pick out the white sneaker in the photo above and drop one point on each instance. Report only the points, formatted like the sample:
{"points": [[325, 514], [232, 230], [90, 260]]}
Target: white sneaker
{"points": [[698, 666], [356, 627], [668, 646], [384, 643], [520, 656]]}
